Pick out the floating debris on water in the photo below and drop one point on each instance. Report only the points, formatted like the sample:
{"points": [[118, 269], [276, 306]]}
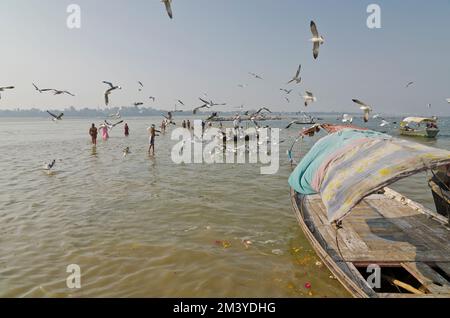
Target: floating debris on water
{"points": [[247, 243], [224, 244], [277, 252]]}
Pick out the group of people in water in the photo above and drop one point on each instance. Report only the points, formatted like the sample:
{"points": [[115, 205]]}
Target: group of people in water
{"points": [[152, 131], [93, 132]]}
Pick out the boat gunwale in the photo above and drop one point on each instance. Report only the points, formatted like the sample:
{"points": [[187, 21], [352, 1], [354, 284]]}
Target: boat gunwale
{"points": [[333, 265]]}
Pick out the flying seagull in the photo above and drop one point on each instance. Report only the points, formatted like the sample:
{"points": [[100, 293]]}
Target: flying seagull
{"points": [[242, 85], [287, 91], [259, 111], [213, 115], [168, 4], [196, 109], [346, 118], [255, 75], [316, 39], [116, 115], [111, 126], [37, 88], [152, 98], [287, 99], [56, 117], [138, 104], [309, 98], [141, 86], [297, 77], [384, 123], [365, 108], [57, 92], [169, 118], [180, 101], [295, 122], [409, 84], [2, 89], [109, 90]]}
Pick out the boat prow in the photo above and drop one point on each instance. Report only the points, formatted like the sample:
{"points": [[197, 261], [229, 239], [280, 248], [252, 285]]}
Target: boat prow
{"points": [[407, 243]]}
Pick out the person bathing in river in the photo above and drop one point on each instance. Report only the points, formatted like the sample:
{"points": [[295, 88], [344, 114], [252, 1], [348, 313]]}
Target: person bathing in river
{"points": [[105, 135], [93, 133], [152, 132]]}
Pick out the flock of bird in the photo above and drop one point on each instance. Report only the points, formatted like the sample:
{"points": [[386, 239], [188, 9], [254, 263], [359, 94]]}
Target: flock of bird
{"points": [[207, 103]]}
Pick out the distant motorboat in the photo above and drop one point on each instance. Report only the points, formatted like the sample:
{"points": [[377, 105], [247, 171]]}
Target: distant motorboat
{"points": [[411, 126]]}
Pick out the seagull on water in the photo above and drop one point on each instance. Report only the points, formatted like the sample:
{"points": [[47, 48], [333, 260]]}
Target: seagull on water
{"points": [[126, 151], [168, 4], [309, 98], [49, 166], [109, 90], [297, 79], [56, 117], [2, 89], [316, 39], [365, 108]]}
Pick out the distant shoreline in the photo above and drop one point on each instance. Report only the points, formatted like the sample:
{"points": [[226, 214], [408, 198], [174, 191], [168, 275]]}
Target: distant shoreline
{"points": [[149, 112]]}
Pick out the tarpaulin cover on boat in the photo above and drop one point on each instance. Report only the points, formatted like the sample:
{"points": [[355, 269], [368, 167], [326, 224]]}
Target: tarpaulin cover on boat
{"points": [[350, 164]]}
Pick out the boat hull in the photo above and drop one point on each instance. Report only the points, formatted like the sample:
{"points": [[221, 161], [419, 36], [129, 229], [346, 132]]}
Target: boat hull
{"points": [[426, 133], [382, 231]]}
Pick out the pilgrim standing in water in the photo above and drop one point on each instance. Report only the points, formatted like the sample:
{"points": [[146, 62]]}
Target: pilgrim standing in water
{"points": [[152, 132], [105, 135], [127, 130], [93, 133]]}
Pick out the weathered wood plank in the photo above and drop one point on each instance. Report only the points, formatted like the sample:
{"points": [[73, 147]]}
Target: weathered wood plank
{"points": [[444, 266], [428, 277]]}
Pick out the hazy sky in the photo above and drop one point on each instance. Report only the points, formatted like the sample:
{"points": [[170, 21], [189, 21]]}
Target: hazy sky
{"points": [[211, 45]]}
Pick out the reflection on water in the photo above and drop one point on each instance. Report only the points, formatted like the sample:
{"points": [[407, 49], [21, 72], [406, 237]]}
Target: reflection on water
{"points": [[142, 226]]}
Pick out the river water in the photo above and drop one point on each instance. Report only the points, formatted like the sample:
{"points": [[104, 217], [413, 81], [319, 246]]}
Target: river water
{"points": [[141, 226]]}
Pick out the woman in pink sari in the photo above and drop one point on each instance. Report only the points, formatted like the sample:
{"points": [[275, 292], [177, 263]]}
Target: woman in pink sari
{"points": [[105, 135]]}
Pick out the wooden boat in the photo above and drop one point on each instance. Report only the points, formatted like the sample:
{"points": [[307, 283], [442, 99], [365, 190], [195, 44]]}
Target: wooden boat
{"points": [[408, 243], [439, 185], [411, 127]]}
